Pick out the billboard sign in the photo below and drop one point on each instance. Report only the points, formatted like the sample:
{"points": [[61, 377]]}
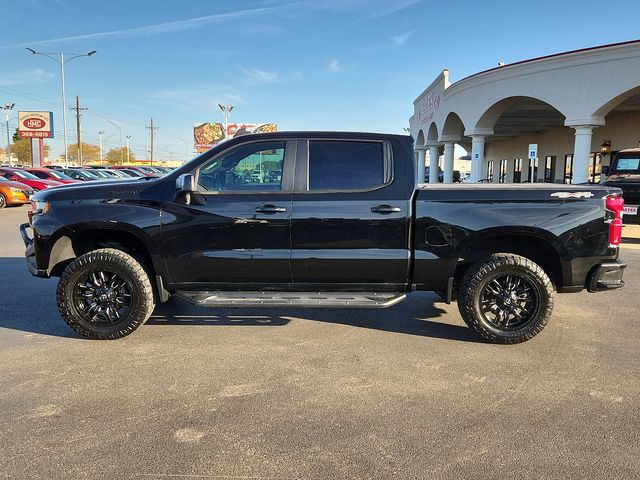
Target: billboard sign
{"points": [[208, 135], [35, 125]]}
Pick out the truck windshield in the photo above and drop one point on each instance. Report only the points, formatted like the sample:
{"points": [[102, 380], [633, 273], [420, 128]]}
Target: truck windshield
{"points": [[627, 165]]}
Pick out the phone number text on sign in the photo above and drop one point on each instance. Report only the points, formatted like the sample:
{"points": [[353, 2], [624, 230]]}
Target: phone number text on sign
{"points": [[30, 134]]}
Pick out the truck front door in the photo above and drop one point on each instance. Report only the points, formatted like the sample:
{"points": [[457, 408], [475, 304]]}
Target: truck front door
{"points": [[351, 216], [236, 228]]}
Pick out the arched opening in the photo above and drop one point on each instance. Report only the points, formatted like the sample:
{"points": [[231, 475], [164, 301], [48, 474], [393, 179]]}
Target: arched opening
{"points": [[432, 135], [456, 163], [627, 101], [514, 124], [621, 130]]}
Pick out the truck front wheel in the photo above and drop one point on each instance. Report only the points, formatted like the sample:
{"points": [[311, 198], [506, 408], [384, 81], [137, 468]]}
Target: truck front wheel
{"points": [[105, 294], [506, 298]]}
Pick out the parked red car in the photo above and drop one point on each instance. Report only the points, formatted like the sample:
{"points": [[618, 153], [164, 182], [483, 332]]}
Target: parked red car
{"points": [[18, 175], [49, 174]]}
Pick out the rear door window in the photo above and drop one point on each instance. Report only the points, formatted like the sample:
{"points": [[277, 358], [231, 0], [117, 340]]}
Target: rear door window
{"points": [[347, 165]]}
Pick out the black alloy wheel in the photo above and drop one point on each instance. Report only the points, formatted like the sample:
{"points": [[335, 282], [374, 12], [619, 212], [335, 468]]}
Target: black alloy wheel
{"points": [[105, 294], [102, 297], [509, 302], [506, 298]]}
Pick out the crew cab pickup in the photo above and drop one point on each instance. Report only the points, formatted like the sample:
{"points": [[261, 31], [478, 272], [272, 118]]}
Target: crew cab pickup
{"points": [[319, 219], [624, 173]]}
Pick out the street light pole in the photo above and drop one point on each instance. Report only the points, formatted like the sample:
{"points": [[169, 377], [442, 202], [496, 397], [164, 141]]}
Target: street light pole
{"points": [[62, 61], [186, 148], [128, 138], [226, 111], [120, 130], [8, 110], [100, 134]]}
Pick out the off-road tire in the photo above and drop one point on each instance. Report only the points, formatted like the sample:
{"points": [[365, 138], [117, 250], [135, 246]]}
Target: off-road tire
{"points": [[495, 266], [142, 300]]}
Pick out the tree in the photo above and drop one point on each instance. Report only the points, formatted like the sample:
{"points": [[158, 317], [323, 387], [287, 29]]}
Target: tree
{"points": [[90, 153], [21, 149], [115, 157]]}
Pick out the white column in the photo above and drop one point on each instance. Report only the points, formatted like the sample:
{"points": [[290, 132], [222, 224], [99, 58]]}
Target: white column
{"points": [[477, 157], [434, 155], [422, 155], [581, 152], [448, 162]]}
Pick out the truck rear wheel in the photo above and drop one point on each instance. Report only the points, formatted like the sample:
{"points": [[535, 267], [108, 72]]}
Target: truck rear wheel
{"points": [[105, 294], [506, 298]]}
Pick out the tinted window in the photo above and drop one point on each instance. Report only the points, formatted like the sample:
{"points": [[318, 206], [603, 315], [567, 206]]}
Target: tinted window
{"points": [[628, 164], [253, 167], [335, 165], [40, 174]]}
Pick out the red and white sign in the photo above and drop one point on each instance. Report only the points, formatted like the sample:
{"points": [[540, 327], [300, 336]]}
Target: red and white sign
{"points": [[35, 124]]}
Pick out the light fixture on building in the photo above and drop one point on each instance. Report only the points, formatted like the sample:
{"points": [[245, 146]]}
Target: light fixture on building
{"points": [[605, 148]]}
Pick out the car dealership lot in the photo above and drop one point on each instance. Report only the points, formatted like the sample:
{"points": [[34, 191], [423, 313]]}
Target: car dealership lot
{"points": [[408, 392]]}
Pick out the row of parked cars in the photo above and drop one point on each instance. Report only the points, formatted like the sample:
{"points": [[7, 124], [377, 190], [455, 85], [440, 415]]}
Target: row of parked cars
{"points": [[18, 184]]}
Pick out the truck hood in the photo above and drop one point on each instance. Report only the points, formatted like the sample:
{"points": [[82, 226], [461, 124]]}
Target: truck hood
{"points": [[94, 189]]}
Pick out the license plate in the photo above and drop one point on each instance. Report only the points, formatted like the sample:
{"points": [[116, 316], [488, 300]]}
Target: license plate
{"points": [[630, 210]]}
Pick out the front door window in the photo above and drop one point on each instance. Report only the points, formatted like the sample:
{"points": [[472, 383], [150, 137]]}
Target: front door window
{"points": [[254, 167]]}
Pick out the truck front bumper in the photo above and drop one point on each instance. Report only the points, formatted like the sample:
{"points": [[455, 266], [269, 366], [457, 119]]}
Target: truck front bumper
{"points": [[30, 252], [606, 276]]}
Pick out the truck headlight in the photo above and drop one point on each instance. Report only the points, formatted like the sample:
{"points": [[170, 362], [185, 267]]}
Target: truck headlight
{"points": [[39, 208]]}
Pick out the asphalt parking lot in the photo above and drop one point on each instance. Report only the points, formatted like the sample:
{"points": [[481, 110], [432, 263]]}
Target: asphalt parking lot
{"points": [[407, 392]]}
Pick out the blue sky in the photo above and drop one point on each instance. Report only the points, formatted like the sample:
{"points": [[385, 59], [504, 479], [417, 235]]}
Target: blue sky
{"points": [[331, 65]]}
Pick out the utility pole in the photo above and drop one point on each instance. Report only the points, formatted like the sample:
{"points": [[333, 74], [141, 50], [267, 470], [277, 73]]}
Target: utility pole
{"points": [[8, 110], [78, 109], [128, 138], [152, 130], [101, 133]]}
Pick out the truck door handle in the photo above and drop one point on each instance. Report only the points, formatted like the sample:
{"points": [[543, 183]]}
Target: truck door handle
{"points": [[270, 209], [385, 209]]}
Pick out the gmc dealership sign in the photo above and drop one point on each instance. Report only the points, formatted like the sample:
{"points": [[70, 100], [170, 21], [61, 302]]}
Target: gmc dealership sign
{"points": [[35, 124]]}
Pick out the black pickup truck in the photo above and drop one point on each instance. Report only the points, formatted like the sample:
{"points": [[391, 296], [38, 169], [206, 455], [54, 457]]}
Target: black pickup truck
{"points": [[624, 173], [319, 219]]}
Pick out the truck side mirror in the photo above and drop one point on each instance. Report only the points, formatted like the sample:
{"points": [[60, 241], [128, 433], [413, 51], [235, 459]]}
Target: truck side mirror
{"points": [[604, 169], [186, 183]]}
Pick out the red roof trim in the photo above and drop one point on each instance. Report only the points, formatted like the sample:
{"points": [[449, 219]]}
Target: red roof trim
{"points": [[580, 50]]}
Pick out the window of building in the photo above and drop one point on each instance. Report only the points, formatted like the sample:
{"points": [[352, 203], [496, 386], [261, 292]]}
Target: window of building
{"points": [[342, 165], [503, 170], [568, 168], [595, 167], [517, 170], [251, 167], [490, 170], [549, 169]]}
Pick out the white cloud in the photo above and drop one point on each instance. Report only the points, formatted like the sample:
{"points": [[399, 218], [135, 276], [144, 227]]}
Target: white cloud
{"points": [[24, 77], [158, 28], [400, 40], [334, 66], [259, 76]]}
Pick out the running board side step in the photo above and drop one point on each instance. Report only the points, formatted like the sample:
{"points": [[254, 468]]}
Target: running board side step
{"points": [[292, 299]]}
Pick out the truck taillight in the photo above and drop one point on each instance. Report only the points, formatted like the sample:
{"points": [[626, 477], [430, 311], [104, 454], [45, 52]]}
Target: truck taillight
{"points": [[615, 204]]}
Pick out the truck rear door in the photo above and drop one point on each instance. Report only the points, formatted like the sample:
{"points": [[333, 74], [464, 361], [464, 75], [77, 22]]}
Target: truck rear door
{"points": [[350, 215]]}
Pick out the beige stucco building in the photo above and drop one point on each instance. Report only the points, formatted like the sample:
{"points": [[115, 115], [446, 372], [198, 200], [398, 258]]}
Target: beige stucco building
{"points": [[578, 108]]}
